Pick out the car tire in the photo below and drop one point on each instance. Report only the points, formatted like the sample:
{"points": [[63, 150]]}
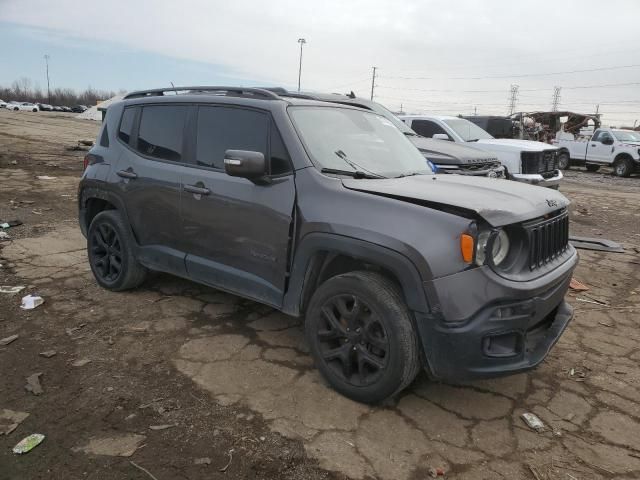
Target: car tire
{"points": [[16, 109], [34, 110], [564, 161], [623, 167], [361, 335], [110, 249], [592, 168]]}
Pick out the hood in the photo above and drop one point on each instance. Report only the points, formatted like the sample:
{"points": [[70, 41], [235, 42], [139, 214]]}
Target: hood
{"points": [[514, 144], [451, 153], [631, 144], [499, 202]]}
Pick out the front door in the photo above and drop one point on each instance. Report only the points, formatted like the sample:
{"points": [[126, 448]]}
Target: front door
{"points": [[600, 147], [149, 171], [236, 233]]}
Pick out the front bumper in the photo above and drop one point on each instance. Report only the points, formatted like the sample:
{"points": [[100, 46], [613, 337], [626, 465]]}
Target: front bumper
{"points": [[483, 326], [551, 180]]}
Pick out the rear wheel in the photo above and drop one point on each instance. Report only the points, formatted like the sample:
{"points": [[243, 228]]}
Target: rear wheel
{"points": [[623, 167], [110, 251], [592, 167], [16, 109], [361, 336], [564, 161]]}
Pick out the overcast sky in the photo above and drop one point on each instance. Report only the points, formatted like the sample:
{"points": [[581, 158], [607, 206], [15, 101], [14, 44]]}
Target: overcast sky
{"points": [[435, 56]]}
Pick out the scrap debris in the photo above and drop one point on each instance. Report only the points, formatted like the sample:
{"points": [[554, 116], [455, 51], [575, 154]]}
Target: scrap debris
{"points": [[28, 443], [436, 472], [7, 340], [226, 467], [11, 289], [598, 244], [533, 421], [9, 420], [33, 384], [48, 353], [578, 286], [31, 301]]}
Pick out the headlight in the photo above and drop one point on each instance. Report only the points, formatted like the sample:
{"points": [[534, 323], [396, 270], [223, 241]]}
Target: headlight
{"points": [[499, 249]]}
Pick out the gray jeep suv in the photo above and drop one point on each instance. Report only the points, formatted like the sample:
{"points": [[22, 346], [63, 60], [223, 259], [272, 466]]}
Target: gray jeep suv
{"points": [[329, 212]]}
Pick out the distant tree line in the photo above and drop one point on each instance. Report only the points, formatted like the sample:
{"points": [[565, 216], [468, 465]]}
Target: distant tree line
{"points": [[22, 90]]}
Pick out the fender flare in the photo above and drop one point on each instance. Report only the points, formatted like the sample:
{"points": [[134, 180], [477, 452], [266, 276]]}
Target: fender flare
{"points": [[89, 192], [402, 268]]}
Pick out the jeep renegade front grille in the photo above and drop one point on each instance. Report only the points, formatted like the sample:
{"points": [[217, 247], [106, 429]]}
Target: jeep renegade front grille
{"points": [[539, 162], [548, 239]]}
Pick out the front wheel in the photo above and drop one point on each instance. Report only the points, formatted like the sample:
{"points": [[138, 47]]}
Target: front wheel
{"points": [[361, 336], [16, 109], [110, 250], [623, 167], [564, 161], [592, 168]]}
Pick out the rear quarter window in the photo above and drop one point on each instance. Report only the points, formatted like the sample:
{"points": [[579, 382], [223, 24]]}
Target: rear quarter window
{"points": [[161, 132], [126, 124]]}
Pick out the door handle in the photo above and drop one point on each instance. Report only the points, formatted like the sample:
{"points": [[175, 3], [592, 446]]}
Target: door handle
{"points": [[127, 174], [197, 190]]}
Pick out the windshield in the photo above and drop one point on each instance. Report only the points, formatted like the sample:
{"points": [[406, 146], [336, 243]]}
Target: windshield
{"points": [[354, 140], [469, 131], [627, 135], [403, 127]]}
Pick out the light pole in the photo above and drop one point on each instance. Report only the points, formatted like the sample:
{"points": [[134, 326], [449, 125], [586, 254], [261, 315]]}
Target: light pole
{"points": [[46, 60], [301, 41]]}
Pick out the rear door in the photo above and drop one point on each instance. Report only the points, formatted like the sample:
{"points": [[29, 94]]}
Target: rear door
{"points": [[149, 181], [237, 233], [597, 151]]}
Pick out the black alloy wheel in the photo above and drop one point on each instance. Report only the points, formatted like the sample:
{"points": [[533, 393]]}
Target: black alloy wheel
{"points": [[106, 253], [352, 340]]}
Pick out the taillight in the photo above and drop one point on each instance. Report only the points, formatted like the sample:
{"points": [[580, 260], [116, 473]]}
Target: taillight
{"points": [[91, 159]]}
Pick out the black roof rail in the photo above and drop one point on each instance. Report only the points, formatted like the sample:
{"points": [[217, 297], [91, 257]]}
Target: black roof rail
{"points": [[160, 92], [286, 93]]}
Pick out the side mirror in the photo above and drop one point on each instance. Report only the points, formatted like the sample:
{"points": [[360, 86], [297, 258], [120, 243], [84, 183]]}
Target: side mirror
{"points": [[607, 141], [245, 164], [440, 136]]}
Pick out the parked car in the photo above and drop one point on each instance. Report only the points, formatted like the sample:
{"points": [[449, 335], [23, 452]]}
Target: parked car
{"points": [[444, 157], [525, 161], [23, 106], [45, 107], [78, 109], [66, 109], [329, 212], [3, 104], [57, 108], [607, 146]]}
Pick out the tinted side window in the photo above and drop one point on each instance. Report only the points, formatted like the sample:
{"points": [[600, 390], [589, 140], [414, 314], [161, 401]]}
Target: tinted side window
{"points": [[161, 130], [126, 124], [280, 161], [223, 128], [426, 128], [597, 136]]}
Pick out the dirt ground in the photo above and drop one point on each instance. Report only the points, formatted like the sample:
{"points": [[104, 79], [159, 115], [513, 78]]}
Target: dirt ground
{"points": [[187, 382]]}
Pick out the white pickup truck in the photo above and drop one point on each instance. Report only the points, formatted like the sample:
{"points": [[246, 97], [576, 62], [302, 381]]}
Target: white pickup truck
{"points": [[607, 146], [525, 161]]}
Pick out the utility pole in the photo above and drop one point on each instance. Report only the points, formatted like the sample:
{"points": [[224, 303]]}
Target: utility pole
{"points": [[475, 111], [46, 61], [597, 108], [301, 41], [513, 98], [373, 81], [403, 112], [555, 101]]}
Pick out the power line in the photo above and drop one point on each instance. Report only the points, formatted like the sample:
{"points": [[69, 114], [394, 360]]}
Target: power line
{"points": [[438, 90], [522, 75]]}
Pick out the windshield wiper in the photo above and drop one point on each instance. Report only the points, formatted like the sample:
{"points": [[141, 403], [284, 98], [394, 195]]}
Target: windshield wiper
{"points": [[340, 154], [350, 173], [411, 134], [410, 174]]}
